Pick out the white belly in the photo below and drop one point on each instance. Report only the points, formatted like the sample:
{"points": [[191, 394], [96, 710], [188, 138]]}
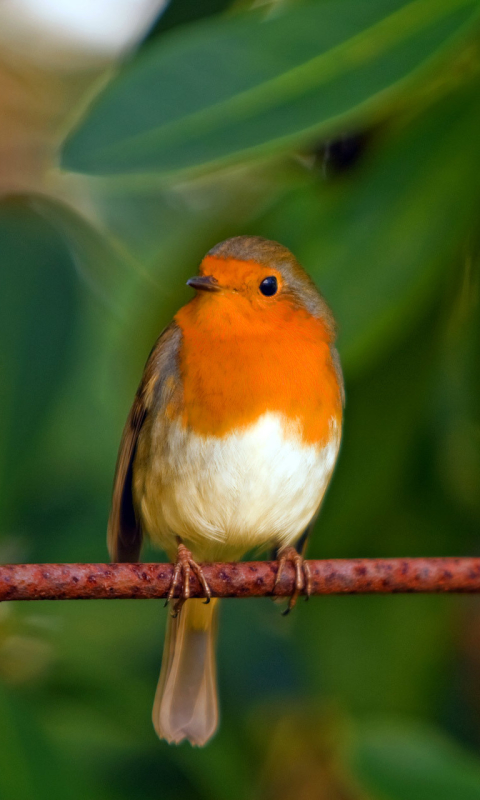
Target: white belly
{"points": [[256, 487]]}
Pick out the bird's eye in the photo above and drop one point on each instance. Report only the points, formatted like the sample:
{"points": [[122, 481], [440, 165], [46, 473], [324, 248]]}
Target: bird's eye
{"points": [[269, 286]]}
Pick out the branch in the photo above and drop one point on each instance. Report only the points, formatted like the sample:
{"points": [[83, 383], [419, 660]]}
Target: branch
{"points": [[242, 579]]}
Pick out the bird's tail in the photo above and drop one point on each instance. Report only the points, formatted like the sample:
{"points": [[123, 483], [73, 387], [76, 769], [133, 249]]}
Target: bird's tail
{"points": [[186, 705]]}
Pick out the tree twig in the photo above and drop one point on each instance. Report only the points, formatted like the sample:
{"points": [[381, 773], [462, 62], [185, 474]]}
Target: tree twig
{"points": [[243, 579]]}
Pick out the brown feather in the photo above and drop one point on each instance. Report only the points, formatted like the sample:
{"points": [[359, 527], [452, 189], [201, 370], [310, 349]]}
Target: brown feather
{"points": [[186, 703], [124, 526]]}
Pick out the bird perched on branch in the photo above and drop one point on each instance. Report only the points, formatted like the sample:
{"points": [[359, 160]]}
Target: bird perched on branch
{"points": [[230, 445]]}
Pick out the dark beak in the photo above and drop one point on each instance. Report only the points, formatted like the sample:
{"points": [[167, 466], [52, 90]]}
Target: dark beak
{"points": [[204, 283]]}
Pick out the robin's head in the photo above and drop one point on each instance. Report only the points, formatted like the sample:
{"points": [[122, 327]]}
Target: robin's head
{"points": [[256, 274]]}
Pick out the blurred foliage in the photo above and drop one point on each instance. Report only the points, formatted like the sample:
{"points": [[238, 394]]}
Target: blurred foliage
{"points": [[348, 131], [307, 71]]}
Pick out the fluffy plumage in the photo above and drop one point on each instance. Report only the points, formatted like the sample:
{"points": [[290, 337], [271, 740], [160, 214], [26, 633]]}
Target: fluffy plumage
{"points": [[230, 444], [255, 487]]}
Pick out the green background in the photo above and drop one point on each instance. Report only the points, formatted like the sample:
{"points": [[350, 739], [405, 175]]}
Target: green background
{"points": [[350, 132]]}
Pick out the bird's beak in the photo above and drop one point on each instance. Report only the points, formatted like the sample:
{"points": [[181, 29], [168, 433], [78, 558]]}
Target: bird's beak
{"points": [[204, 283]]}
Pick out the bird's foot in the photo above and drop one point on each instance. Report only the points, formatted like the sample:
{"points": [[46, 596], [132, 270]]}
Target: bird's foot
{"points": [[184, 565], [303, 578]]}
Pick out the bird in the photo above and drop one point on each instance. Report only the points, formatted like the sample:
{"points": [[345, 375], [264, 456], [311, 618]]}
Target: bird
{"points": [[229, 447]]}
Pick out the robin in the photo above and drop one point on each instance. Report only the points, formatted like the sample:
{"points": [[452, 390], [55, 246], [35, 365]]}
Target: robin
{"points": [[230, 445]]}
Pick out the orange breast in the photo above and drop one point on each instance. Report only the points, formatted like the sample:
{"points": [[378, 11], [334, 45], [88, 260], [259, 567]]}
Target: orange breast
{"points": [[237, 364]]}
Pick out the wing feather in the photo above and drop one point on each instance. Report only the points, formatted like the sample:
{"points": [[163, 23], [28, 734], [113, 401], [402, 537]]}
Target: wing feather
{"points": [[124, 526]]}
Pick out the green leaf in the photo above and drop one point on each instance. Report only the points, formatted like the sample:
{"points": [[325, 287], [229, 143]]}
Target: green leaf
{"points": [[179, 12], [457, 418], [102, 261], [378, 244], [38, 301], [413, 762], [248, 85]]}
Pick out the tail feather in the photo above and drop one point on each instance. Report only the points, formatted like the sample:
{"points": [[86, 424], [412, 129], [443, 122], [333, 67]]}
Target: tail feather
{"points": [[186, 705]]}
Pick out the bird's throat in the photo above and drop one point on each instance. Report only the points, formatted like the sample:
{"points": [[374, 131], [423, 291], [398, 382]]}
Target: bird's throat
{"points": [[234, 372]]}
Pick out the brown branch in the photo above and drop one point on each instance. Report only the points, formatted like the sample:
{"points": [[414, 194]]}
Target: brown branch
{"points": [[243, 579]]}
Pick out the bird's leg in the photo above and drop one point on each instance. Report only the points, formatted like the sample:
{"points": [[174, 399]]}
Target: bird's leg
{"points": [[303, 577], [185, 565]]}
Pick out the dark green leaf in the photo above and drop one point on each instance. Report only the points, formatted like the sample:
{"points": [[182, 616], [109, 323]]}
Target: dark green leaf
{"points": [[179, 12], [103, 263], [249, 85], [378, 244], [37, 317]]}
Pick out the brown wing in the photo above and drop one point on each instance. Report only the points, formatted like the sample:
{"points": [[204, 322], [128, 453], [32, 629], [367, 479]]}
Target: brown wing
{"points": [[124, 529], [338, 370]]}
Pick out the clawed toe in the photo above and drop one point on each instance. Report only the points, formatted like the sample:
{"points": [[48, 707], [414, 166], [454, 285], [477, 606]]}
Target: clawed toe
{"points": [[184, 566], [303, 577]]}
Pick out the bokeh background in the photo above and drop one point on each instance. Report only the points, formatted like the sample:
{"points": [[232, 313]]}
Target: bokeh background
{"points": [[350, 132]]}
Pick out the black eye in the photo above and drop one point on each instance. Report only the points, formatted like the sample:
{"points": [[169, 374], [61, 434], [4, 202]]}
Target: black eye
{"points": [[269, 286]]}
